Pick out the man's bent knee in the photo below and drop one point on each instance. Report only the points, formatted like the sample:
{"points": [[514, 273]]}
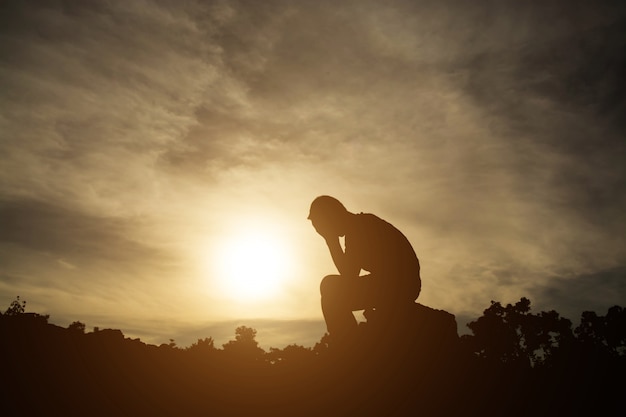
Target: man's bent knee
{"points": [[328, 283]]}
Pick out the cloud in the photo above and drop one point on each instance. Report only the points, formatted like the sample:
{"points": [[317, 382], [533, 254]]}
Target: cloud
{"points": [[49, 228], [572, 294], [91, 88], [63, 259], [66, 264]]}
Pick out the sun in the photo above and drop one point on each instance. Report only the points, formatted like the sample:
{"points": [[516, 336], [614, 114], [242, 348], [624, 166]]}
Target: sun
{"points": [[252, 266]]}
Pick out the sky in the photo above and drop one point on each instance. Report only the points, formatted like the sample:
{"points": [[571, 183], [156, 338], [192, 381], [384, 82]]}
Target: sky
{"points": [[145, 146]]}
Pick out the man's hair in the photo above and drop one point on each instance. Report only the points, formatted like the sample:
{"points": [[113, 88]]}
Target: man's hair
{"points": [[326, 206]]}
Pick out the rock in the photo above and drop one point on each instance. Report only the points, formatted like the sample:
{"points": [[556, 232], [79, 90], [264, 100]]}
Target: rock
{"points": [[416, 330]]}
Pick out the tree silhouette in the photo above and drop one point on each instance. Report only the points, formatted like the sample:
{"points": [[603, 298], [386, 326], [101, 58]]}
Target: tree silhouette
{"points": [[322, 346], [202, 345], [16, 307], [77, 327], [245, 344], [290, 354], [202, 348], [514, 335], [520, 364], [604, 334], [615, 323]]}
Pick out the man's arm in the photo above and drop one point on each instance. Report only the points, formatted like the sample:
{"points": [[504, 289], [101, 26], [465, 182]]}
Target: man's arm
{"points": [[344, 265]]}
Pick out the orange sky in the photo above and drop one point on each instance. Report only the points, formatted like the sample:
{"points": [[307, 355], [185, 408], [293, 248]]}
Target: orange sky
{"points": [[141, 138]]}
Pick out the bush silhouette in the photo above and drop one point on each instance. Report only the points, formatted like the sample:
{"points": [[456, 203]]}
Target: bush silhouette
{"points": [[515, 362]]}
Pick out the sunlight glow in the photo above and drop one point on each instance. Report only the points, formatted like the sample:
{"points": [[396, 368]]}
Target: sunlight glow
{"points": [[252, 266]]}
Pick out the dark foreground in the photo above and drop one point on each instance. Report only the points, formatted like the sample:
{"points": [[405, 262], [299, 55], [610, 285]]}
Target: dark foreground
{"points": [[416, 367]]}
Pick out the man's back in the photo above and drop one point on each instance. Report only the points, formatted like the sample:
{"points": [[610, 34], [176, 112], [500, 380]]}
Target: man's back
{"points": [[379, 248]]}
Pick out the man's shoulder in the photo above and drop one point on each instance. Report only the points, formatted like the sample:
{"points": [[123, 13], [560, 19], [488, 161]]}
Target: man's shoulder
{"points": [[369, 218], [370, 223]]}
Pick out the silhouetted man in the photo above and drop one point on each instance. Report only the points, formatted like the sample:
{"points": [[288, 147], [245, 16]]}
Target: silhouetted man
{"points": [[373, 245]]}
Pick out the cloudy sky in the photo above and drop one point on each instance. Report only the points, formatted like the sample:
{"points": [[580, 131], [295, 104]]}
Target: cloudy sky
{"points": [[146, 146]]}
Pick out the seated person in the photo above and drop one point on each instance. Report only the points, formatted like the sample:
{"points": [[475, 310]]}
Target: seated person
{"points": [[373, 245]]}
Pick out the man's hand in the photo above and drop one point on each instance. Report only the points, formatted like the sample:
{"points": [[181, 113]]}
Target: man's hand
{"points": [[325, 230], [331, 233]]}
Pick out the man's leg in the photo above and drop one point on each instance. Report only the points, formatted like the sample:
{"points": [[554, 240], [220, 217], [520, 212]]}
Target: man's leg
{"points": [[340, 297]]}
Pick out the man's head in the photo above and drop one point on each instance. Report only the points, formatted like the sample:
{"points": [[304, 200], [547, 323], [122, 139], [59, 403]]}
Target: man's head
{"points": [[328, 216]]}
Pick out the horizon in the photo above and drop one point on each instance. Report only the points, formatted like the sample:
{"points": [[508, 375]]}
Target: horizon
{"points": [[281, 333]]}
